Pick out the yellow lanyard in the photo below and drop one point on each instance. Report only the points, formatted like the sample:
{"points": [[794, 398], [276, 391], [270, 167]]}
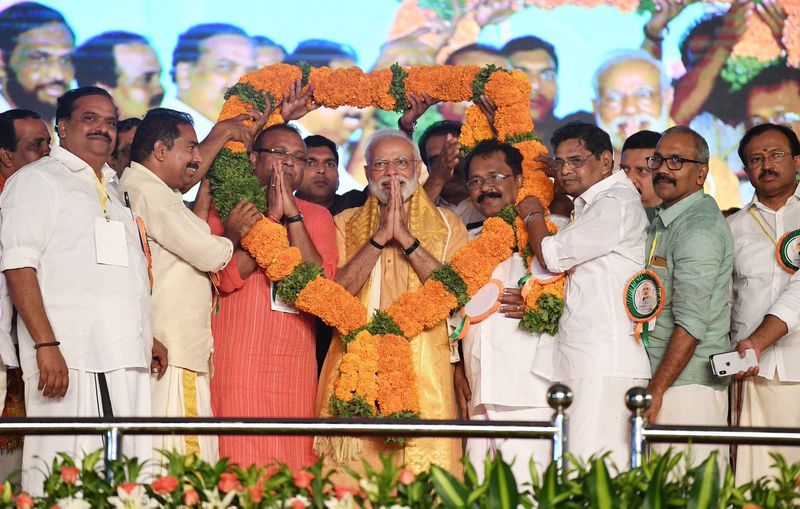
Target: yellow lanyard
{"points": [[572, 215], [656, 236], [102, 194], [769, 235]]}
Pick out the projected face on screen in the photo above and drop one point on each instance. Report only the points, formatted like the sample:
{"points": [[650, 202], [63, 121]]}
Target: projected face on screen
{"points": [[630, 99], [540, 68], [39, 69], [221, 61]]}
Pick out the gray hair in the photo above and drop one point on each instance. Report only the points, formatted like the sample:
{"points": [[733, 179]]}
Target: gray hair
{"points": [[624, 56], [382, 134], [700, 144]]}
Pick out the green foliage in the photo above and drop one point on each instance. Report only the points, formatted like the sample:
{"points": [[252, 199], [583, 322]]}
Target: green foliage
{"points": [[663, 481], [232, 180], [305, 70], [249, 95], [398, 87], [508, 214], [356, 407], [483, 78], [289, 287], [545, 319], [646, 7], [381, 323], [452, 281], [519, 138], [738, 71]]}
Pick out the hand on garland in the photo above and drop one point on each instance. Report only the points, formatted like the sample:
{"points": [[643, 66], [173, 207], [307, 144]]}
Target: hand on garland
{"points": [[488, 107], [296, 104], [241, 218], [417, 106], [774, 16]]}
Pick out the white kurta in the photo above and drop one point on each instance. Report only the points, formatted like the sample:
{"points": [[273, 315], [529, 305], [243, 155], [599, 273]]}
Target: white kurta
{"points": [[595, 353], [761, 287], [498, 357], [99, 312]]}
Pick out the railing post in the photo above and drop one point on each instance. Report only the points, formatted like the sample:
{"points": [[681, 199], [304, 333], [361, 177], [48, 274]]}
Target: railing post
{"points": [[638, 401], [113, 449], [559, 397]]}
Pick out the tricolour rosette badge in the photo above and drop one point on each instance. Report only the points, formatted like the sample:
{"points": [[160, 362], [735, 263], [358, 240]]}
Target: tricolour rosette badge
{"points": [[644, 301]]}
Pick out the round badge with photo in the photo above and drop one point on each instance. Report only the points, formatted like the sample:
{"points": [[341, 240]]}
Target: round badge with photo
{"points": [[480, 307], [788, 251], [644, 301]]}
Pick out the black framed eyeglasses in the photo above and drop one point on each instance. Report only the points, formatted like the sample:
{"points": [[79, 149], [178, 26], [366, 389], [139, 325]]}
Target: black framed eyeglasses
{"points": [[674, 163], [282, 154]]}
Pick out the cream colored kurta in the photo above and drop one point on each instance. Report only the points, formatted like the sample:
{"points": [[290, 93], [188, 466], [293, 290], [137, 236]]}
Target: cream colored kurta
{"points": [[430, 351]]}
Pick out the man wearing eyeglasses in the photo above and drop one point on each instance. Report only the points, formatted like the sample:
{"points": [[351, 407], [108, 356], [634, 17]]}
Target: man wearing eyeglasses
{"points": [[690, 248], [595, 354], [389, 246], [771, 157], [264, 352]]}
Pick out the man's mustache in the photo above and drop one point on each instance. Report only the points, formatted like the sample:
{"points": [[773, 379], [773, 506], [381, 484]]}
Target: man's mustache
{"points": [[193, 166], [767, 173], [663, 177], [101, 133], [56, 82], [489, 194]]}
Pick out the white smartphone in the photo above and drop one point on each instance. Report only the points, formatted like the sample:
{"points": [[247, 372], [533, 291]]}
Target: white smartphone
{"points": [[729, 363]]}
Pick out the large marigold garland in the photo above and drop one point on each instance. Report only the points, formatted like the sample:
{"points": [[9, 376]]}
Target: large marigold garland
{"points": [[376, 376]]}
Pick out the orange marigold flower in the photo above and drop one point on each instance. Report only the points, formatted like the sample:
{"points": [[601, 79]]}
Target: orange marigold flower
{"points": [[757, 41], [509, 89], [265, 240], [512, 121], [476, 261], [316, 298], [423, 309], [275, 79], [284, 263], [555, 288], [442, 82], [536, 184], [476, 128]]}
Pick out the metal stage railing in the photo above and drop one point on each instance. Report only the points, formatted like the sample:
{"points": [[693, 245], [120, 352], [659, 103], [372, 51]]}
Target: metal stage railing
{"points": [[559, 398], [638, 401]]}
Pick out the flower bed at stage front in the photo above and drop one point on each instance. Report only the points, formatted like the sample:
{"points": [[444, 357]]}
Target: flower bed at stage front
{"points": [[367, 385], [663, 481]]}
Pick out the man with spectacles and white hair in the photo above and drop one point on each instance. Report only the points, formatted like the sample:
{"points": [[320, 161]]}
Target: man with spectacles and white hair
{"points": [[771, 397], [387, 247], [596, 354], [690, 249]]}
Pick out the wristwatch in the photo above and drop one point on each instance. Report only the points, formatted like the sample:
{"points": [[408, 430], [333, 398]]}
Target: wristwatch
{"points": [[294, 219]]}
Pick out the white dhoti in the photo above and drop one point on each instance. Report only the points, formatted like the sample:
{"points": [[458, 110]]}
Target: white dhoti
{"points": [[695, 405], [518, 452], [599, 421], [184, 393], [129, 392], [767, 403]]}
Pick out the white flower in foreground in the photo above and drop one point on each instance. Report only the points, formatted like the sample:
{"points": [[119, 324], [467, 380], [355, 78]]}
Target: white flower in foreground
{"points": [[132, 496], [370, 488], [215, 502], [346, 502], [73, 503], [296, 502]]}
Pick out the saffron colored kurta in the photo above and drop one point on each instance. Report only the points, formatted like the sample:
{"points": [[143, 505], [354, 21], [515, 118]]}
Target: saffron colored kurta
{"points": [[265, 361]]}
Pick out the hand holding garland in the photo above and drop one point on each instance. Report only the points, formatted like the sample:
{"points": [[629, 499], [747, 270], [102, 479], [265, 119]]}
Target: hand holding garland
{"points": [[418, 104], [532, 212], [296, 103]]}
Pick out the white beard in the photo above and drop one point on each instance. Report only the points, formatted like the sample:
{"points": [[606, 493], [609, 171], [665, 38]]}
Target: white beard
{"points": [[622, 126], [383, 193]]}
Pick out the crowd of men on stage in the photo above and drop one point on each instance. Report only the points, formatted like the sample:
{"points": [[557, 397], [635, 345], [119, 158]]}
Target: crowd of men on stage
{"points": [[126, 301]]}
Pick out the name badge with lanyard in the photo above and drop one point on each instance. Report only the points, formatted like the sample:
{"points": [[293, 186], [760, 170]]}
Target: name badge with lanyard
{"points": [[787, 248], [111, 246], [644, 299]]}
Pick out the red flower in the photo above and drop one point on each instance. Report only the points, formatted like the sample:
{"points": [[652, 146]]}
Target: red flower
{"points": [[256, 493], [342, 491], [127, 487], [405, 476], [297, 504], [165, 485], [69, 474], [229, 482], [191, 497], [303, 478], [24, 501]]}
